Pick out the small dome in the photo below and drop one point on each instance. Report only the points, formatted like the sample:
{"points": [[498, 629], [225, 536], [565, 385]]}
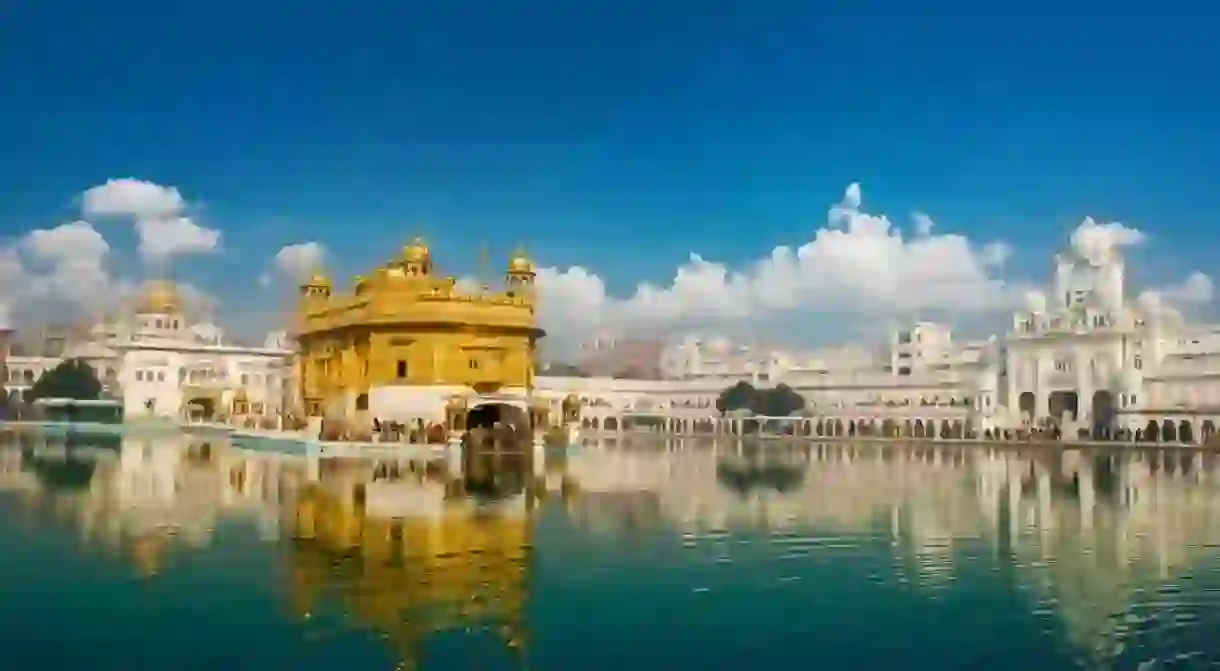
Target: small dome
{"points": [[1128, 379], [159, 297], [416, 252], [519, 262], [318, 279], [208, 334]]}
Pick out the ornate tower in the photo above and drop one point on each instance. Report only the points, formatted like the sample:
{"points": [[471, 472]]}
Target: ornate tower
{"points": [[315, 291], [416, 259], [519, 279]]}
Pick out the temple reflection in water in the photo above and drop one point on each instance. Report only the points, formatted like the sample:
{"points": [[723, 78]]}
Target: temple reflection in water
{"points": [[407, 554], [1089, 531], [408, 549], [140, 496]]}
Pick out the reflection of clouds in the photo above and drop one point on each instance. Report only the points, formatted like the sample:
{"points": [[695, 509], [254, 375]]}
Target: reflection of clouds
{"points": [[1092, 533]]}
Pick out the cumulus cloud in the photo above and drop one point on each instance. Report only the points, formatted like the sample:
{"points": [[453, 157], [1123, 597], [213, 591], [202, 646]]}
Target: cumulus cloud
{"points": [[1196, 288], [65, 271], [158, 213], [1098, 242], [1168, 302], [856, 263], [295, 262], [64, 264]]}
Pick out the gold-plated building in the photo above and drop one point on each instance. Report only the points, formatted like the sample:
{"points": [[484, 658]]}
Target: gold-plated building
{"points": [[405, 342]]}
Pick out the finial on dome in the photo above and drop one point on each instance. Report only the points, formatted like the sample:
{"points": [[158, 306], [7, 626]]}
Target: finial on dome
{"points": [[416, 252], [519, 261], [317, 278]]}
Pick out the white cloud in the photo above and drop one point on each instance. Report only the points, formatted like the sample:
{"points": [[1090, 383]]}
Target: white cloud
{"points": [[132, 197], [162, 239], [64, 272], [856, 264], [295, 262], [159, 216], [66, 263], [1196, 288], [1097, 242], [66, 243]]}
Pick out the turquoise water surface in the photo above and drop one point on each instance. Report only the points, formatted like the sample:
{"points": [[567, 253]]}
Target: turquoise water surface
{"points": [[166, 552]]}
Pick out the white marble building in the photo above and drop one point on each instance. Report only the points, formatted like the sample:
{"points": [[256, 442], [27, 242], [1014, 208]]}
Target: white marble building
{"points": [[1085, 357], [159, 364], [1088, 355]]}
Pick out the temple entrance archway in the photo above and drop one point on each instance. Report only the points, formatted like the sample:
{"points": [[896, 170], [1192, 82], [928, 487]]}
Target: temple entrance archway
{"points": [[1169, 431], [201, 408], [1103, 414], [1064, 403], [1152, 431], [488, 415], [1027, 405]]}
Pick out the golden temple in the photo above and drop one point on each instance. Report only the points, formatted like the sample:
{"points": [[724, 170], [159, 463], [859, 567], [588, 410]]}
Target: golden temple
{"points": [[405, 342]]}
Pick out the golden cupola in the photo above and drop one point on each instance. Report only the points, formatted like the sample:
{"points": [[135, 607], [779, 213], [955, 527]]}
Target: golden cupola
{"points": [[519, 262], [416, 258], [159, 297], [520, 275], [317, 286]]}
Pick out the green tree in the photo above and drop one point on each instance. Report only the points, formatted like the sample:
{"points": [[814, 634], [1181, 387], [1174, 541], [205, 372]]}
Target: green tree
{"points": [[780, 401], [72, 378], [737, 397]]}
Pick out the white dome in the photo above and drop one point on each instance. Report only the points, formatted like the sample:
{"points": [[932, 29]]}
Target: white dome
{"points": [[207, 333], [276, 340], [1128, 379]]}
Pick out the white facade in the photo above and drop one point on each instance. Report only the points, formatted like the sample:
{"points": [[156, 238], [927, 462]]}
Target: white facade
{"points": [[1086, 354], [157, 363], [1086, 358]]}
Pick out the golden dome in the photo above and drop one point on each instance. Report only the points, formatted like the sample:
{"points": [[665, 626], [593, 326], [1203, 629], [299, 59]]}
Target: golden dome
{"points": [[318, 279], [519, 262], [416, 252], [159, 296]]}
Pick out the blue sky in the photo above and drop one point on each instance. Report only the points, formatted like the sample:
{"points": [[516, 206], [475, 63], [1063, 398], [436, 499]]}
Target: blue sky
{"points": [[619, 136]]}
